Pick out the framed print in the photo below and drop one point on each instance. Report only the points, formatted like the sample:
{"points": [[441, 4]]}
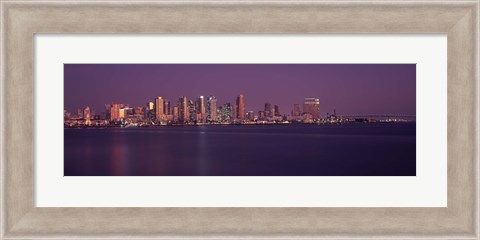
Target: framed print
{"points": [[226, 119]]}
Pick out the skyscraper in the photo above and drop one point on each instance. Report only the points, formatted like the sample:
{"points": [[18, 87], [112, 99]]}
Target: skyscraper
{"points": [[175, 113], [240, 107], [276, 111], [87, 115], [166, 107], [115, 111], [182, 109], [192, 113], [296, 110], [312, 106], [211, 109], [268, 110], [159, 112], [226, 112], [201, 110]]}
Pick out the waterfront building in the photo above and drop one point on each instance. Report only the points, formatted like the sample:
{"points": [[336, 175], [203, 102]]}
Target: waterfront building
{"points": [[296, 110], [250, 116], [240, 107], [211, 109], [226, 113], [312, 106], [87, 115], [175, 114], [159, 112], [166, 107], [182, 109], [192, 113], [201, 110], [115, 111], [276, 111], [268, 110]]}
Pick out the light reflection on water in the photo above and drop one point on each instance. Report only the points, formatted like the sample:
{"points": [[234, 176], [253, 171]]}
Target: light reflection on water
{"points": [[292, 150]]}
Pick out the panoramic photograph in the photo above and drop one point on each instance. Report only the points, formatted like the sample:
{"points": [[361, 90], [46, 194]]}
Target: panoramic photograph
{"points": [[239, 119]]}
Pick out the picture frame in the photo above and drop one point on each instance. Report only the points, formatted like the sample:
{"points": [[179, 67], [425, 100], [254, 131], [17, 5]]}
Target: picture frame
{"points": [[21, 20]]}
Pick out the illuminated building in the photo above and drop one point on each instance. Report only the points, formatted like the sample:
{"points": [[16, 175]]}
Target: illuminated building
{"points": [[250, 116], [276, 111], [87, 115], [240, 107], [312, 106], [79, 113], [225, 113], [159, 112], [211, 109], [192, 114], [268, 110], [166, 107], [296, 110], [121, 113], [182, 109], [201, 110], [175, 114], [261, 115], [115, 111]]}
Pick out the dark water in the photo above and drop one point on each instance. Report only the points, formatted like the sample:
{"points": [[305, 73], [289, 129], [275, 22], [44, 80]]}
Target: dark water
{"points": [[383, 149]]}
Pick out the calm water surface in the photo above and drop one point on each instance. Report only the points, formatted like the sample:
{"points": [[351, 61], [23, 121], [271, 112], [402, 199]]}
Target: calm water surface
{"points": [[383, 149]]}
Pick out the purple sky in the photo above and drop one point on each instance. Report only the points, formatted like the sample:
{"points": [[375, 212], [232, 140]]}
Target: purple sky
{"points": [[348, 88]]}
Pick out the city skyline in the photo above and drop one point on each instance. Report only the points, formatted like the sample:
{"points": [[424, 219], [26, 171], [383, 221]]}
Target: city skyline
{"points": [[376, 88]]}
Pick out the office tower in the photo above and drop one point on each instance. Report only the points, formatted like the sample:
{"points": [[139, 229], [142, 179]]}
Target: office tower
{"points": [[115, 111], [192, 113], [79, 113], [166, 107], [250, 116], [87, 115], [268, 110], [240, 107], [150, 105], [312, 106], [296, 110], [175, 114], [211, 109], [159, 113], [261, 115], [226, 112], [182, 109], [121, 113], [201, 109], [276, 111]]}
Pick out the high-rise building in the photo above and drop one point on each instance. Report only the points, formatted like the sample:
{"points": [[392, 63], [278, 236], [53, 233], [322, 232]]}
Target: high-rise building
{"points": [[192, 113], [312, 106], [296, 110], [166, 107], [159, 112], [240, 107], [269, 111], [87, 115], [175, 114], [201, 109], [211, 109], [122, 113], [79, 113], [250, 116], [182, 109], [276, 111], [115, 111], [226, 112]]}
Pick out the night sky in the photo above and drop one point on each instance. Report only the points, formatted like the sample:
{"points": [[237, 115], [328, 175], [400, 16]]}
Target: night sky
{"points": [[348, 88]]}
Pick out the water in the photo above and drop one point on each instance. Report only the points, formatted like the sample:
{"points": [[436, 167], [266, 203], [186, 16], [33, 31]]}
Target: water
{"points": [[380, 149]]}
